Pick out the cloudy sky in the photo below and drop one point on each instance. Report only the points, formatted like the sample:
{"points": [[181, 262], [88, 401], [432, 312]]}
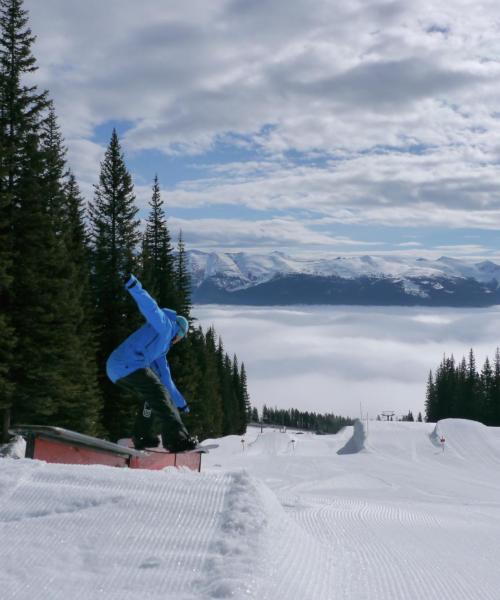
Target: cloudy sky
{"points": [[334, 359], [368, 126]]}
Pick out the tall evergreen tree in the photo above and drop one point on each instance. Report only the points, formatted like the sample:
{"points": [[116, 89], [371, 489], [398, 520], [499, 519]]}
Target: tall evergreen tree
{"points": [[486, 390], [114, 239], [6, 262], [224, 369], [471, 389], [15, 42], [245, 397], [158, 274], [22, 106], [85, 400], [183, 280], [495, 400], [210, 393], [28, 287], [72, 394], [240, 421], [55, 172], [431, 409], [229, 399]]}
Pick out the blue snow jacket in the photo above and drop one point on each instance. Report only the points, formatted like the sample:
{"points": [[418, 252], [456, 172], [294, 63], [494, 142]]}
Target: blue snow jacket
{"points": [[147, 347]]}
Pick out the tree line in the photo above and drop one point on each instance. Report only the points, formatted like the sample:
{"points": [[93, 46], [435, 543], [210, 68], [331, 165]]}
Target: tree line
{"points": [[63, 306], [309, 421], [459, 390]]}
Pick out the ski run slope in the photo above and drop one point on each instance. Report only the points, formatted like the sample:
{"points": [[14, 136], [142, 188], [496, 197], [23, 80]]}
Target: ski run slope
{"points": [[376, 512]]}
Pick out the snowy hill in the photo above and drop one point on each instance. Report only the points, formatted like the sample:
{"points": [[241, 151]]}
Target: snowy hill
{"points": [[280, 516], [276, 278]]}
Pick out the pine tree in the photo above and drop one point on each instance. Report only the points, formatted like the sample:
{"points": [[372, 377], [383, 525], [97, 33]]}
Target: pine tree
{"points": [[74, 405], [431, 409], [210, 392], [86, 407], [22, 106], [495, 407], [55, 172], [205, 419], [244, 393], [486, 394], [114, 239], [445, 389], [37, 285], [30, 287], [183, 280], [6, 329], [20, 110], [158, 274], [225, 372], [471, 390], [240, 401]]}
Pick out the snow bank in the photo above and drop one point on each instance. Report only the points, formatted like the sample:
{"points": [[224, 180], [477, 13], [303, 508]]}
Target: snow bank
{"points": [[469, 440], [16, 448]]}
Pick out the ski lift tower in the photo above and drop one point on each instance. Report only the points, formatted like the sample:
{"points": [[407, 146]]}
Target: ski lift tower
{"points": [[388, 415]]}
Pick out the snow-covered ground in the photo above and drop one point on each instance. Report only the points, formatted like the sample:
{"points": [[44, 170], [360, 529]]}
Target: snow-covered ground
{"points": [[280, 516]]}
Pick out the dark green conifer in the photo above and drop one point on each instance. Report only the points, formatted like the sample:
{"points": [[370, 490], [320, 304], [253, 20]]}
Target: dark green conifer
{"points": [[20, 109], [74, 392], [6, 329], [182, 280], [210, 388], [471, 389], [495, 408], [27, 240], [245, 397], [158, 274], [486, 390], [114, 239], [85, 399], [431, 400]]}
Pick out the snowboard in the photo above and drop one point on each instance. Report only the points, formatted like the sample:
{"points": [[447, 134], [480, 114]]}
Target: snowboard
{"points": [[204, 449]]}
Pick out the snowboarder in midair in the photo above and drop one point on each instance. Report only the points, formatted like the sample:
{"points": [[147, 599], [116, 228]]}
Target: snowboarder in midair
{"points": [[140, 365]]}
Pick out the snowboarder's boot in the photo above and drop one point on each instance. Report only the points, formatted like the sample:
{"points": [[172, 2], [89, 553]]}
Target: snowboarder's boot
{"points": [[142, 442]]}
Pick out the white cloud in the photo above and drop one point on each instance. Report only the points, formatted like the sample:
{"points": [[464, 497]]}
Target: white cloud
{"points": [[270, 233], [329, 359], [397, 101], [188, 73]]}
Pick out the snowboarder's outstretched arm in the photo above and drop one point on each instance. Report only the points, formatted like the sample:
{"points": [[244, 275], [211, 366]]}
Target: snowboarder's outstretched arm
{"points": [[147, 305], [160, 365]]}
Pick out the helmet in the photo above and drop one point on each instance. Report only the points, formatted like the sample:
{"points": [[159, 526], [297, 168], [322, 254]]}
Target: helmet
{"points": [[182, 326]]}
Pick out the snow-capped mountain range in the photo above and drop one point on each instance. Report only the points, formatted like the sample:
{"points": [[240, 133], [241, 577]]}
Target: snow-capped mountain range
{"points": [[276, 278]]}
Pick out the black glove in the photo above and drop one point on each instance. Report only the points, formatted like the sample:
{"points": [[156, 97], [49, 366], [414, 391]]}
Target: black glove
{"points": [[184, 409]]}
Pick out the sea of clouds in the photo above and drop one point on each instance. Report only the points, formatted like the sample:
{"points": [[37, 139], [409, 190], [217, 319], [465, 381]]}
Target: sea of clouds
{"points": [[343, 359]]}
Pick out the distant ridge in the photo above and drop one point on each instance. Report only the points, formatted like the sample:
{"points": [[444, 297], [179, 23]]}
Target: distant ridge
{"points": [[279, 279]]}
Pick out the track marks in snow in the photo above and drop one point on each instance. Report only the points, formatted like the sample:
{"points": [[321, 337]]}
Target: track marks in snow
{"points": [[385, 552], [105, 532]]}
